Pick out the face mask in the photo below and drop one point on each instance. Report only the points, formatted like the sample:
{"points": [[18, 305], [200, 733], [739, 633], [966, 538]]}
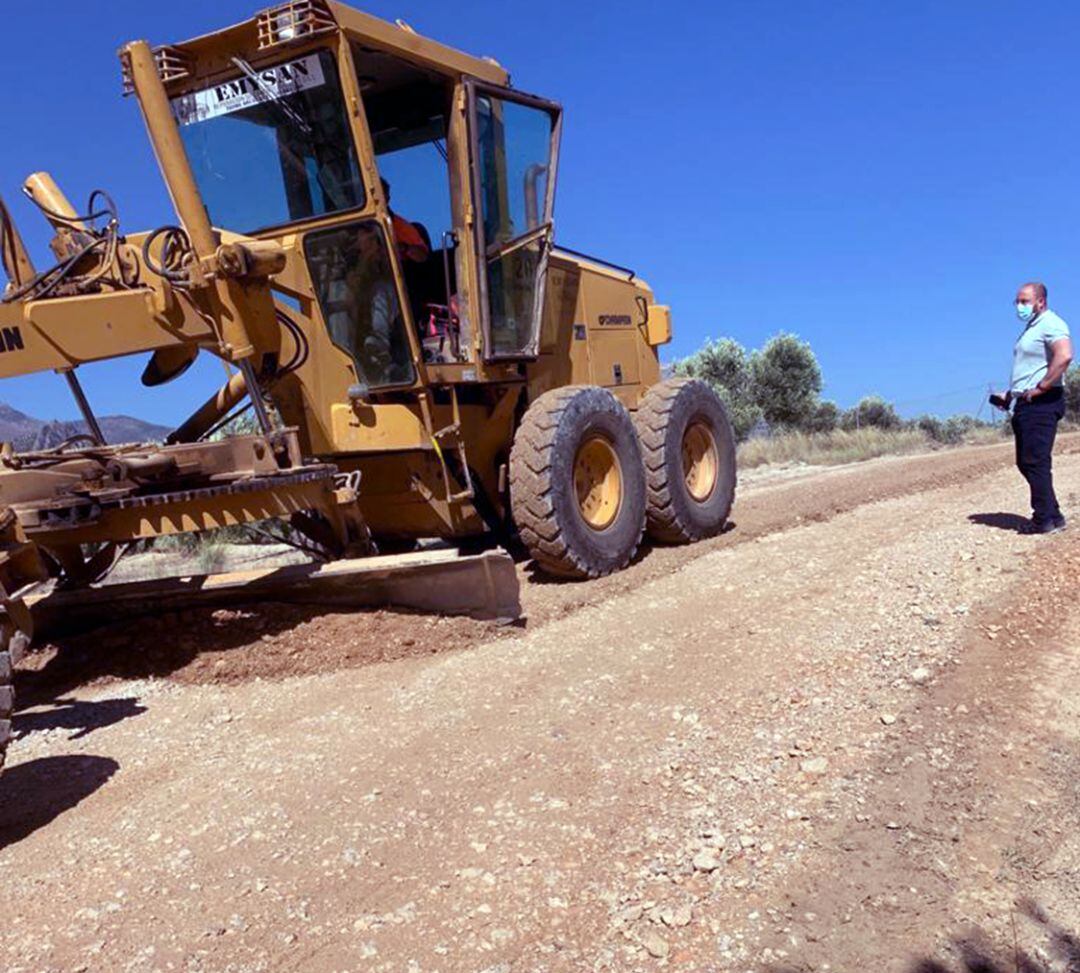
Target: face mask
{"points": [[1025, 312]]}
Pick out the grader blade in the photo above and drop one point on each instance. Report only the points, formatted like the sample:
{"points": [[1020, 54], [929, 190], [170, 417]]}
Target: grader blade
{"points": [[482, 586], [437, 370]]}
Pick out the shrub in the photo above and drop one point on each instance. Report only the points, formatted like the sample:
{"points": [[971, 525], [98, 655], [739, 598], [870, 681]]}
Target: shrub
{"points": [[1072, 394], [956, 429], [825, 418], [872, 410], [932, 426], [242, 424]]}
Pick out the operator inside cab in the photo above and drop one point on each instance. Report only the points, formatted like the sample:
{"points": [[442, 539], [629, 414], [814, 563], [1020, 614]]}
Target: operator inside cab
{"points": [[411, 239]]}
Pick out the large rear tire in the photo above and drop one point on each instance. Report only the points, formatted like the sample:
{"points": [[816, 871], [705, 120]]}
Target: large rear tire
{"points": [[689, 452], [577, 484]]}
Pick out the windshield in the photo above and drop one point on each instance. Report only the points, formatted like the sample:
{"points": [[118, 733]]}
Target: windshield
{"points": [[271, 146]]}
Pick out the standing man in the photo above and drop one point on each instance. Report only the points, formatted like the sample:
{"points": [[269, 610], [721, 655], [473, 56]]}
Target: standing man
{"points": [[1041, 357]]}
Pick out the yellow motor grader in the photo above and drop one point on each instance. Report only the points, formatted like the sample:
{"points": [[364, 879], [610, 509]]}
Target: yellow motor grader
{"points": [[434, 367]]}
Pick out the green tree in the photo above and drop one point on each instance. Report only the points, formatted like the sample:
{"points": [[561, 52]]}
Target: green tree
{"points": [[726, 367], [872, 410], [787, 382], [825, 418], [1072, 394]]}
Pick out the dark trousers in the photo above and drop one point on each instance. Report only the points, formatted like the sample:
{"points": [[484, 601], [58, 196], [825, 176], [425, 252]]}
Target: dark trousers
{"points": [[1035, 426]]}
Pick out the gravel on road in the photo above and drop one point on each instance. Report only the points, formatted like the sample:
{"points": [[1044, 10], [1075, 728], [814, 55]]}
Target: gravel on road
{"points": [[838, 737]]}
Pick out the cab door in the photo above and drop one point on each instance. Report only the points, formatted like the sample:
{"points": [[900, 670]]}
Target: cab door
{"points": [[513, 154]]}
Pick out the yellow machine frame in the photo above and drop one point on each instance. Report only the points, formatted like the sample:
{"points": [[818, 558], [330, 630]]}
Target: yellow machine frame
{"points": [[432, 455]]}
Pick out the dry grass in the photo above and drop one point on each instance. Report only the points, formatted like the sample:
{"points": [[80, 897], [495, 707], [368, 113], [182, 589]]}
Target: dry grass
{"points": [[986, 435], [834, 448]]}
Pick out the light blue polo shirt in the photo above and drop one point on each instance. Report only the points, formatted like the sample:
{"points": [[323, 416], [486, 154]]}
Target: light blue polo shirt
{"points": [[1032, 354]]}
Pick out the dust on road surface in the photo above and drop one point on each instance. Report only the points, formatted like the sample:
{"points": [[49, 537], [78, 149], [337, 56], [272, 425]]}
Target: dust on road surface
{"points": [[842, 736]]}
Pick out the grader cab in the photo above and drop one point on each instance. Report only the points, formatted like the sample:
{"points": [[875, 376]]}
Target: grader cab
{"points": [[364, 236]]}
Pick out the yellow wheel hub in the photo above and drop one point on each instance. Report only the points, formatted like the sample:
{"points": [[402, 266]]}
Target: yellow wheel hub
{"points": [[598, 482], [700, 461]]}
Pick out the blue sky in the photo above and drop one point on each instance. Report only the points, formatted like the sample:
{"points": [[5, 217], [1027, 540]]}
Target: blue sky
{"points": [[874, 176]]}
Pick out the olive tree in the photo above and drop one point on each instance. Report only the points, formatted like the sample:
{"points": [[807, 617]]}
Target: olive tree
{"points": [[787, 382]]}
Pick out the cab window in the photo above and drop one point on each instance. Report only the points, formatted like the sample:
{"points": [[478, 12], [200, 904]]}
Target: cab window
{"points": [[350, 268], [408, 110], [515, 147]]}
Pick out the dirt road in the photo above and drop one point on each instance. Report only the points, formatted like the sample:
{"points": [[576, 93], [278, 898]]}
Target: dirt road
{"points": [[843, 736]]}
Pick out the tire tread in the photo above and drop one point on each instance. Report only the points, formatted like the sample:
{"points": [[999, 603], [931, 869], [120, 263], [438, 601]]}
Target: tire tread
{"points": [[532, 486], [652, 419]]}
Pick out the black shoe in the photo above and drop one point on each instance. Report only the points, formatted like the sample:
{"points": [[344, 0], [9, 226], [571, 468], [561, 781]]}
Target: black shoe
{"points": [[1046, 526], [1059, 522]]}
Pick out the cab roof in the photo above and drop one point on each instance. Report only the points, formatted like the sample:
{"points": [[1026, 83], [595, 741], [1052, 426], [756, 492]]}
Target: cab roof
{"points": [[296, 22]]}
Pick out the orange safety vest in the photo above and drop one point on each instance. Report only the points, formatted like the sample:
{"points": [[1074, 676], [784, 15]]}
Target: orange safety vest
{"points": [[406, 236]]}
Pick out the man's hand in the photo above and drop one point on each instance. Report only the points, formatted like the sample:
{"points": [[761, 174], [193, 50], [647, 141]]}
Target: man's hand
{"points": [[1030, 394]]}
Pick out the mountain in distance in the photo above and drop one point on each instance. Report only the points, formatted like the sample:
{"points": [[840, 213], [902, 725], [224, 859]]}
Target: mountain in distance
{"points": [[27, 433]]}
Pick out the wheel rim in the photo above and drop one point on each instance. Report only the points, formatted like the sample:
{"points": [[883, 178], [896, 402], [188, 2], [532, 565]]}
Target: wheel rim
{"points": [[700, 459], [598, 482]]}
